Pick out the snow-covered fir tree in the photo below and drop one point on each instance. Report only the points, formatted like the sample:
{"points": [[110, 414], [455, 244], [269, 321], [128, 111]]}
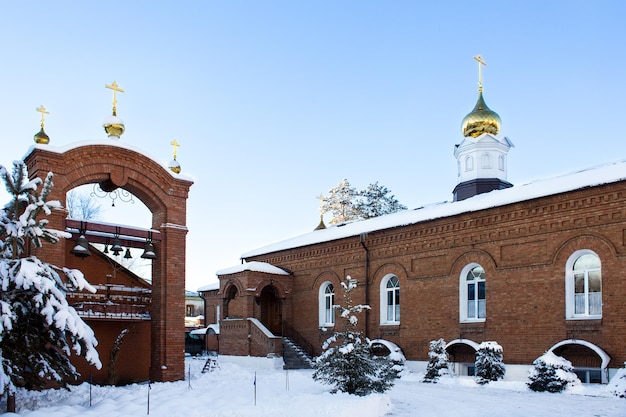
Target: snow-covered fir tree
{"points": [[437, 361], [340, 201], [38, 329], [617, 385], [551, 373], [376, 201], [489, 365], [346, 362], [346, 203]]}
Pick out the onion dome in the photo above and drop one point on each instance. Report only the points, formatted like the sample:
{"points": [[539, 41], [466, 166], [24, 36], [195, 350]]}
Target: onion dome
{"points": [[174, 166], [114, 126], [481, 120], [41, 138]]}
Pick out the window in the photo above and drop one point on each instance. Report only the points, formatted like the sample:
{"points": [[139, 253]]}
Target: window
{"points": [[189, 310], [501, 162], [326, 305], [583, 286], [473, 306], [486, 161], [390, 300], [469, 163], [589, 375]]}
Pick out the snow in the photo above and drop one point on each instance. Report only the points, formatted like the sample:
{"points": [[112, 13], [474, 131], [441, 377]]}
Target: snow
{"points": [[253, 266], [210, 287], [230, 391], [599, 175]]}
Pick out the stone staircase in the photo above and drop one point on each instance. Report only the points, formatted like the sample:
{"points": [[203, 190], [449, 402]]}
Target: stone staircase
{"points": [[294, 356]]}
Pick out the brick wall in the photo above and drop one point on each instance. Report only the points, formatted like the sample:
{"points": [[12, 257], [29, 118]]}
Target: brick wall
{"points": [[523, 248], [165, 195]]}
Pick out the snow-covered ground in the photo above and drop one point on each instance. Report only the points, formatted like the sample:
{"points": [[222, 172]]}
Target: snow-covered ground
{"points": [[230, 391]]}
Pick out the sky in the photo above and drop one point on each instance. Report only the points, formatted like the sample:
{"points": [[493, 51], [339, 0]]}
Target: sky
{"points": [[275, 102], [279, 393]]}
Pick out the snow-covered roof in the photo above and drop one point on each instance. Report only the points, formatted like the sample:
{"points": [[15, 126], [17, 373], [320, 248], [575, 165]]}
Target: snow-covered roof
{"points": [[210, 287], [595, 176], [253, 266], [105, 142]]}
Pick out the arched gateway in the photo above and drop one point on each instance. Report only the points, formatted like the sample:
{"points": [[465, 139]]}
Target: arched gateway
{"points": [[116, 165]]}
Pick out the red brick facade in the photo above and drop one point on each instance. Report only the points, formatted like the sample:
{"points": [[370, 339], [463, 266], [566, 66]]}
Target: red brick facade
{"points": [[165, 195], [523, 248]]}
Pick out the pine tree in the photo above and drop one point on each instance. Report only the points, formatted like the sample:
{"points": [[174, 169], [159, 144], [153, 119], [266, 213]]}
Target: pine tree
{"points": [[489, 366], [346, 203], [375, 201], [347, 363], [340, 202], [38, 329], [551, 373], [617, 385], [437, 361]]}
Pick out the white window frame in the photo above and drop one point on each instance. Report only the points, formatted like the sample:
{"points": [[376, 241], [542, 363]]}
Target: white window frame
{"points": [[463, 295], [570, 296], [486, 160], [384, 305], [324, 312], [469, 163]]}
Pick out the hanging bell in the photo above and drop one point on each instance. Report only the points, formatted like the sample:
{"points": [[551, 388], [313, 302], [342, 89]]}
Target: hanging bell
{"points": [[148, 252], [127, 255], [81, 249], [116, 248]]}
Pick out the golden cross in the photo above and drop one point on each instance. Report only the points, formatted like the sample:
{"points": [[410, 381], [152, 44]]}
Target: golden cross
{"points": [[41, 109], [116, 88], [175, 144], [480, 71]]}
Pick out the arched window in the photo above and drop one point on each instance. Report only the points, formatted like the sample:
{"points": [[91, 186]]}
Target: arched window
{"points": [[501, 162], [469, 163], [390, 300], [486, 161], [583, 291], [472, 294], [326, 305]]}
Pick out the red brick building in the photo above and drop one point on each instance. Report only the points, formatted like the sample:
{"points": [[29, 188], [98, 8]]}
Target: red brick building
{"points": [[533, 267], [122, 303], [158, 343]]}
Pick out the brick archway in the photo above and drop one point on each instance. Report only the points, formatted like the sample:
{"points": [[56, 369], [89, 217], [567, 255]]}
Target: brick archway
{"points": [[118, 165]]}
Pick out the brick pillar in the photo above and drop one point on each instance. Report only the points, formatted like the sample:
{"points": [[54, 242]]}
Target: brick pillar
{"points": [[168, 306]]}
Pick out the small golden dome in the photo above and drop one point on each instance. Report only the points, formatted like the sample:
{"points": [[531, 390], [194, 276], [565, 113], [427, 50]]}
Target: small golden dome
{"points": [[174, 166], [321, 225], [114, 126], [41, 138], [481, 120]]}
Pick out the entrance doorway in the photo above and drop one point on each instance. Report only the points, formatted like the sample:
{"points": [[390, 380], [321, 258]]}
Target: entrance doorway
{"points": [[271, 310]]}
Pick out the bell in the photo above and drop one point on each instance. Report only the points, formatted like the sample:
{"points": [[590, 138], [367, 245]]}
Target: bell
{"points": [[148, 252], [82, 247], [127, 255], [116, 248], [106, 249]]}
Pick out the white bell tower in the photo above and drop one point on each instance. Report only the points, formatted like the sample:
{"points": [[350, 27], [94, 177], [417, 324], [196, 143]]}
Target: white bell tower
{"points": [[482, 156]]}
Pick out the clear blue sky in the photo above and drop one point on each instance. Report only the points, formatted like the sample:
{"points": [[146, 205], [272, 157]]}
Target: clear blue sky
{"points": [[275, 102]]}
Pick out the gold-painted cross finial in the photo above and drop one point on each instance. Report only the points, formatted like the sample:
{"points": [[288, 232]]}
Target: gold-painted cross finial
{"points": [[175, 144], [480, 71], [116, 88], [41, 109]]}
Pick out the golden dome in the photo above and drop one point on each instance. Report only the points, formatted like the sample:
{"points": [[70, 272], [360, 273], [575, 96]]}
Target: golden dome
{"points": [[321, 225], [41, 137], [481, 120], [174, 166], [114, 126]]}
